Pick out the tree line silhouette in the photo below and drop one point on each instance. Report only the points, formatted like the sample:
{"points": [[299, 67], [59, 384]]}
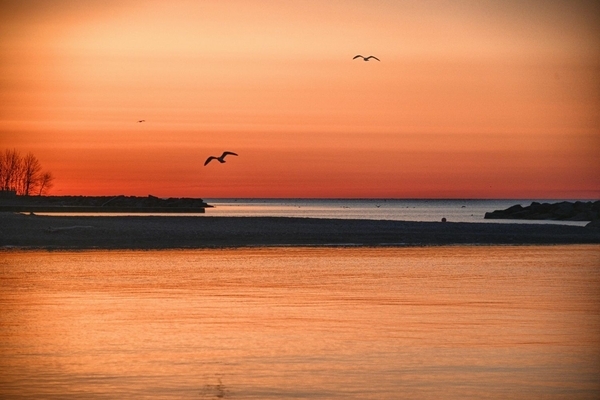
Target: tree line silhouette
{"points": [[23, 174]]}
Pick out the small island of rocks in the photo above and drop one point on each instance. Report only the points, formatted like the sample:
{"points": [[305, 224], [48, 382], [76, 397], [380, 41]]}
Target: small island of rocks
{"points": [[562, 211]]}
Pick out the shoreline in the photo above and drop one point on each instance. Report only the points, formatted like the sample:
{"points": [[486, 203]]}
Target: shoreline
{"points": [[31, 232], [100, 204]]}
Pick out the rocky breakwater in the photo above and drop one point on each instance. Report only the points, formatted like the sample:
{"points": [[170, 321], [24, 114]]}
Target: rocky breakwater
{"points": [[562, 211], [101, 204]]}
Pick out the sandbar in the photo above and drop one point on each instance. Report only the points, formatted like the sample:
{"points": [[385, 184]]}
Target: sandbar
{"points": [[21, 231]]}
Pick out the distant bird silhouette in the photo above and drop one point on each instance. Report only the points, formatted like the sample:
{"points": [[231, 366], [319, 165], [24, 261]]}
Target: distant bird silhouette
{"points": [[141, 120], [365, 58], [219, 159]]}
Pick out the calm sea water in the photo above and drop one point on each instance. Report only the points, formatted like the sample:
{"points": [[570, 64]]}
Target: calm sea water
{"points": [[389, 209], [287, 323], [381, 209]]}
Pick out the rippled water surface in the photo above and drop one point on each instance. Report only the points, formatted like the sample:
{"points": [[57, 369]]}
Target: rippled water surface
{"points": [[283, 323]]}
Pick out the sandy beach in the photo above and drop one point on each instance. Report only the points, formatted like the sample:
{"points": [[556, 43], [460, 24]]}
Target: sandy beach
{"points": [[171, 232]]}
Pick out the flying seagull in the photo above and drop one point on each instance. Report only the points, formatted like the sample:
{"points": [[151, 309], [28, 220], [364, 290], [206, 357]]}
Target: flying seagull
{"points": [[141, 120], [219, 159], [365, 58]]}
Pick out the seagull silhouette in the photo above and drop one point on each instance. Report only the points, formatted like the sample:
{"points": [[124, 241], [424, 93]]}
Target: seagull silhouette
{"points": [[141, 120], [219, 159], [365, 58]]}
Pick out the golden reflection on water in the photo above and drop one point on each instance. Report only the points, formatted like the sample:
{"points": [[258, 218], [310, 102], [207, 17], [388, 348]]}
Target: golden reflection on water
{"points": [[433, 322]]}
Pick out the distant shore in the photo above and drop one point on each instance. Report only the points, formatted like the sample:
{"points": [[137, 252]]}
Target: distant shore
{"points": [[173, 232], [10, 202]]}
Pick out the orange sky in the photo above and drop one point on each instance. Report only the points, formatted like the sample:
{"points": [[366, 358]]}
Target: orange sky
{"points": [[471, 99]]}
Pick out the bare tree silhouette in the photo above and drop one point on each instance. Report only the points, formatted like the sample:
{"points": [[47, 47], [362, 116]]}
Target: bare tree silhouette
{"points": [[31, 174], [46, 183], [23, 175], [10, 163]]}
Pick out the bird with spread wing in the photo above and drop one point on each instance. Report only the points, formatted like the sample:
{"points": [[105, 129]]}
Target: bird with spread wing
{"points": [[220, 159], [365, 58]]}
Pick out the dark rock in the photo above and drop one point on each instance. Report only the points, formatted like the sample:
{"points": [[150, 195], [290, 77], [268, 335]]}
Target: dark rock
{"points": [[595, 224], [564, 210], [515, 208]]}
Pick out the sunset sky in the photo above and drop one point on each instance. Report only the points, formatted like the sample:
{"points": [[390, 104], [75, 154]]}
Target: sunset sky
{"points": [[471, 99]]}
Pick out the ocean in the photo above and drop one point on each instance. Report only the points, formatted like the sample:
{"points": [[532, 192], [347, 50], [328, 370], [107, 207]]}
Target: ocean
{"points": [[386, 209], [455, 322], [425, 210]]}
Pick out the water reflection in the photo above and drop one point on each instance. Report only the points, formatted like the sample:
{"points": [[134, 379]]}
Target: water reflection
{"points": [[440, 322]]}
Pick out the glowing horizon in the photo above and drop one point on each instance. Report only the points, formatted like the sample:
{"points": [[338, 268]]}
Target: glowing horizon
{"points": [[471, 99]]}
